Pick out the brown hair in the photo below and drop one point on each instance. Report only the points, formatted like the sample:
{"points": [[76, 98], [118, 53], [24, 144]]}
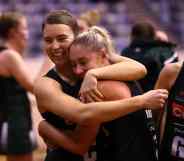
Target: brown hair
{"points": [[9, 20], [143, 31], [62, 17]]}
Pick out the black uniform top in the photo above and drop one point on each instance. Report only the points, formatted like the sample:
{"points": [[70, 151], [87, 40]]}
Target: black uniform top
{"points": [[172, 146], [59, 122], [12, 95], [15, 111], [127, 138]]}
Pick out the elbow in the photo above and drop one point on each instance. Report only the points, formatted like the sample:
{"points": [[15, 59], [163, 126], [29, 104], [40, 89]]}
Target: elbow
{"points": [[143, 71]]}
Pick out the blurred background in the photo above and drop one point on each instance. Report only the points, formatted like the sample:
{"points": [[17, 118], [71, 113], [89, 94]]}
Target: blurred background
{"points": [[117, 16]]}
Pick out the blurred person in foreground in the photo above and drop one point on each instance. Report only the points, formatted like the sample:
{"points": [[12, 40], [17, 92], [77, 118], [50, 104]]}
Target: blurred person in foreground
{"points": [[17, 139]]}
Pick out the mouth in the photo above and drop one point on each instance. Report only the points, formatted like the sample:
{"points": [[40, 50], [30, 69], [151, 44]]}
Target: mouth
{"points": [[57, 54]]}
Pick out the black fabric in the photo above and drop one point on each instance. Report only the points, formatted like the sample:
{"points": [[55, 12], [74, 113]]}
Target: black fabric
{"points": [[127, 138], [60, 154], [152, 54], [172, 146], [15, 111]]}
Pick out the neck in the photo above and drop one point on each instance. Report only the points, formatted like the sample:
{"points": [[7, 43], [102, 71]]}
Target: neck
{"points": [[66, 72]]}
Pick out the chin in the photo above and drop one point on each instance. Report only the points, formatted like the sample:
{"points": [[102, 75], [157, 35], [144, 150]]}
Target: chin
{"points": [[80, 76]]}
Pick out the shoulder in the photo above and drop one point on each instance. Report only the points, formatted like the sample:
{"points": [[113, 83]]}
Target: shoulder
{"points": [[45, 84], [168, 75], [171, 69], [114, 90], [11, 53], [12, 56]]}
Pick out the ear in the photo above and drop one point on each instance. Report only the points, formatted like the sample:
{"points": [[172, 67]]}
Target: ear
{"points": [[103, 53]]}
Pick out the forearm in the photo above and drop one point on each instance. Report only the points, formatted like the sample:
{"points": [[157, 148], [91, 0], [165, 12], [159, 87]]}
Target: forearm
{"points": [[58, 138], [98, 113], [77, 141], [125, 70], [53, 100]]}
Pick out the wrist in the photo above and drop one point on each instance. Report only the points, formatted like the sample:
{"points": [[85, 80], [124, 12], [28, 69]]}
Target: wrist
{"points": [[92, 72], [141, 102]]}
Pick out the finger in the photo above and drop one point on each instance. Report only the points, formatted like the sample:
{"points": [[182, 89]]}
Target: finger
{"points": [[164, 96], [89, 99], [82, 98], [164, 91], [98, 93], [83, 92], [94, 97]]}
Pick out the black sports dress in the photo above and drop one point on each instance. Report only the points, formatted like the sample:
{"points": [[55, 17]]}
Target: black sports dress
{"points": [[129, 138], [60, 154], [16, 134], [172, 146]]}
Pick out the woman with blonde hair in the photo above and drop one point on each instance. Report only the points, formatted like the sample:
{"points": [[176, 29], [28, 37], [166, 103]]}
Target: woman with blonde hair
{"points": [[57, 91]]}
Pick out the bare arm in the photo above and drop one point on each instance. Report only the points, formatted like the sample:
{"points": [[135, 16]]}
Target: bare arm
{"points": [[83, 136], [169, 71], [49, 97], [18, 69], [123, 68], [69, 141]]}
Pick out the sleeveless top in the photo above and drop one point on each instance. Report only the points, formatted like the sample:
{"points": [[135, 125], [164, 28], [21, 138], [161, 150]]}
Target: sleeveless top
{"points": [[127, 138], [60, 122], [16, 135], [12, 95], [172, 146]]}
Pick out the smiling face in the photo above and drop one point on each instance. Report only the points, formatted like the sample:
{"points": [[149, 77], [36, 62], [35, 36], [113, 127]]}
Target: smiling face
{"points": [[57, 39], [83, 59]]}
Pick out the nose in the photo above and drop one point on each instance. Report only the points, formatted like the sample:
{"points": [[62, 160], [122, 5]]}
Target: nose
{"points": [[26, 34], [55, 44], [78, 70]]}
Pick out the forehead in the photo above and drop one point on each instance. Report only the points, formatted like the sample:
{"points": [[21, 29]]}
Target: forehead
{"points": [[80, 51], [57, 29]]}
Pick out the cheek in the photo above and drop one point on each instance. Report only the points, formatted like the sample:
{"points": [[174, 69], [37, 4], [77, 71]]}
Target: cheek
{"points": [[23, 34], [46, 49], [67, 45], [26, 34]]}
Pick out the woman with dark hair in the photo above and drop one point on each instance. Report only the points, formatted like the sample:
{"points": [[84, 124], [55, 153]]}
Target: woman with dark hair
{"points": [[56, 92], [17, 138], [123, 138]]}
